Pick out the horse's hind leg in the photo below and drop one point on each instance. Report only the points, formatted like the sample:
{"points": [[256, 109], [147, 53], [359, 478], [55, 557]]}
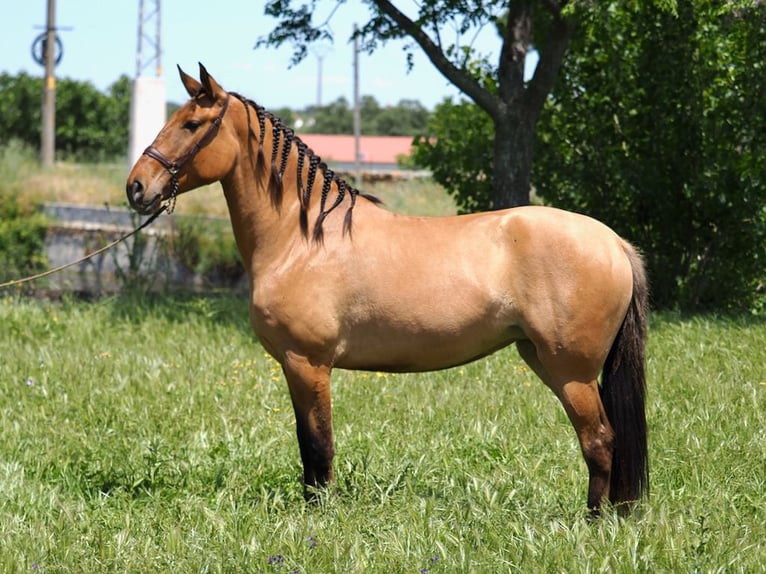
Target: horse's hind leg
{"points": [[582, 404], [310, 393]]}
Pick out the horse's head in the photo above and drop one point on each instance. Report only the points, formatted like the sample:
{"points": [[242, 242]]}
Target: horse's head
{"points": [[194, 148]]}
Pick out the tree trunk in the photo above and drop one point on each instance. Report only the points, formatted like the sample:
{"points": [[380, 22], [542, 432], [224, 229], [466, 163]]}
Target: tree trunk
{"points": [[514, 140], [519, 103]]}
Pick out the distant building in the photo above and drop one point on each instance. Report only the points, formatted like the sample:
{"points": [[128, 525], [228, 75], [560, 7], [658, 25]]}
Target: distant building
{"points": [[376, 153]]}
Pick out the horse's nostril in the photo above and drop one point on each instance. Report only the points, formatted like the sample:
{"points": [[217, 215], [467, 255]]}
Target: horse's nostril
{"points": [[135, 191]]}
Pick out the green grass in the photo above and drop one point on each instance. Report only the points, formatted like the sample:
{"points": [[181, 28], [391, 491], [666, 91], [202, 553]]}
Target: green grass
{"points": [[155, 435]]}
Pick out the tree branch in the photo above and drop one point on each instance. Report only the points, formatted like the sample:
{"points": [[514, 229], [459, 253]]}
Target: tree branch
{"points": [[460, 78], [551, 58]]}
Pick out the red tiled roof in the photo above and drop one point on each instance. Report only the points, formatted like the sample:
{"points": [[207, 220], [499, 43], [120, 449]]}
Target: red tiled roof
{"points": [[372, 149]]}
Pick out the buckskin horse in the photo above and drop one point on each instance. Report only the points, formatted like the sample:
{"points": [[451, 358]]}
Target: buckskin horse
{"points": [[337, 281]]}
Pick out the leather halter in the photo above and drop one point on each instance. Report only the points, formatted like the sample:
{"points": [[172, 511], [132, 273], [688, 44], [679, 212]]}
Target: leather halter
{"points": [[174, 166]]}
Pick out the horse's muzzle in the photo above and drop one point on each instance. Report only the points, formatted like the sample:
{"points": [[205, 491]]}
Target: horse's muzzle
{"points": [[137, 198]]}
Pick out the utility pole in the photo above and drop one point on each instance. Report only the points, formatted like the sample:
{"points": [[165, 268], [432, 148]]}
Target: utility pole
{"points": [[320, 51], [320, 57], [357, 113], [48, 139]]}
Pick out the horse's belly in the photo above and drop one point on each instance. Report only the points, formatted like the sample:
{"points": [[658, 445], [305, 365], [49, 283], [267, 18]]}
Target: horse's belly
{"points": [[409, 350]]}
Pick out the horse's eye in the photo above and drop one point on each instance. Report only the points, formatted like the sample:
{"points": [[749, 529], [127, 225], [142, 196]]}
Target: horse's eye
{"points": [[192, 125]]}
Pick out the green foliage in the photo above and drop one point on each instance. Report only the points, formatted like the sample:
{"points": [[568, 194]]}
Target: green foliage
{"points": [[458, 151], [21, 108], [661, 132], [334, 118], [407, 118], [298, 28], [207, 247], [22, 226], [154, 435], [90, 125]]}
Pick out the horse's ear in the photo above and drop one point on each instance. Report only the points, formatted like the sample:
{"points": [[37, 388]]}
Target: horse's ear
{"points": [[192, 86], [210, 86]]}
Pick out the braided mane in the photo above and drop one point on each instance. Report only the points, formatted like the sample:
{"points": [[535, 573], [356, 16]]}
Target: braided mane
{"points": [[284, 135]]}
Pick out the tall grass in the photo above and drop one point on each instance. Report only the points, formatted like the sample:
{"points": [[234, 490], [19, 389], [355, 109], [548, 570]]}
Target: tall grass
{"points": [[155, 435]]}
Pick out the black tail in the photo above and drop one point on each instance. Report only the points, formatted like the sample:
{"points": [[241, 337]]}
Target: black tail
{"points": [[623, 390]]}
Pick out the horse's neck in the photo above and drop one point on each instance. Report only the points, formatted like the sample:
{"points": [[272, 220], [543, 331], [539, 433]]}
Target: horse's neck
{"points": [[264, 218], [255, 221], [279, 193]]}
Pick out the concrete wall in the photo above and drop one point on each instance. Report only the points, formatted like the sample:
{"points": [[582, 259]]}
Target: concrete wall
{"points": [[143, 260]]}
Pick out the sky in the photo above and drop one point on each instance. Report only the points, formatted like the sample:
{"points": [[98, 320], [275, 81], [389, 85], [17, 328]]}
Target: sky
{"points": [[100, 40]]}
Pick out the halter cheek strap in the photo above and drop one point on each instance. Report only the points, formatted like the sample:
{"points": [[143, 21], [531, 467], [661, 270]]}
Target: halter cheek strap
{"points": [[174, 166]]}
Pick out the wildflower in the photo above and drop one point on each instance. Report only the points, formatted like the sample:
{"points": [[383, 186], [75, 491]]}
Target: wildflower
{"points": [[312, 541], [434, 560], [30, 382], [276, 560]]}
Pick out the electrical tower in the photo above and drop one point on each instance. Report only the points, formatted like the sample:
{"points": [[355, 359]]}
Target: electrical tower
{"points": [[147, 106], [149, 37]]}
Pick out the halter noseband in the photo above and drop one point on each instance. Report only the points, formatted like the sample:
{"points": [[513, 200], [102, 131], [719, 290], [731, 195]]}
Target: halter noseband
{"points": [[174, 167]]}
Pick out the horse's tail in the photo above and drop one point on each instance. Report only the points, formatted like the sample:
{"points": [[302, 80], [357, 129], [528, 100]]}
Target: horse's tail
{"points": [[623, 389]]}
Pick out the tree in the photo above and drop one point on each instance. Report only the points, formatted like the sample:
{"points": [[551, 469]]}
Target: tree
{"points": [[458, 150], [334, 118], [20, 108], [407, 118], [512, 104], [661, 132], [90, 125]]}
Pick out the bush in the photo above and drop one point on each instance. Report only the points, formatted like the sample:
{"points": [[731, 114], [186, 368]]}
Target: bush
{"points": [[458, 151], [206, 246], [22, 225], [659, 132]]}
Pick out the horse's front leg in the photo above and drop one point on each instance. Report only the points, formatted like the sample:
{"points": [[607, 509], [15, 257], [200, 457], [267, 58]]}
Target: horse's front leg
{"points": [[310, 392]]}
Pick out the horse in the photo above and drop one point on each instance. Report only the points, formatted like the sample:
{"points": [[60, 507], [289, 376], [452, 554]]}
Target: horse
{"points": [[338, 281]]}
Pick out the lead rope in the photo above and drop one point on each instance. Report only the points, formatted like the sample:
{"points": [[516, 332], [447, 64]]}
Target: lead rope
{"points": [[94, 253]]}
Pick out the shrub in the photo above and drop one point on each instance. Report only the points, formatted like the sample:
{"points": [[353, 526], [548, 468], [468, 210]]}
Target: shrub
{"points": [[22, 224], [206, 246]]}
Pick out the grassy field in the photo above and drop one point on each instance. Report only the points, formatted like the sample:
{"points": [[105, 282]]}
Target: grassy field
{"points": [[155, 435]]}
